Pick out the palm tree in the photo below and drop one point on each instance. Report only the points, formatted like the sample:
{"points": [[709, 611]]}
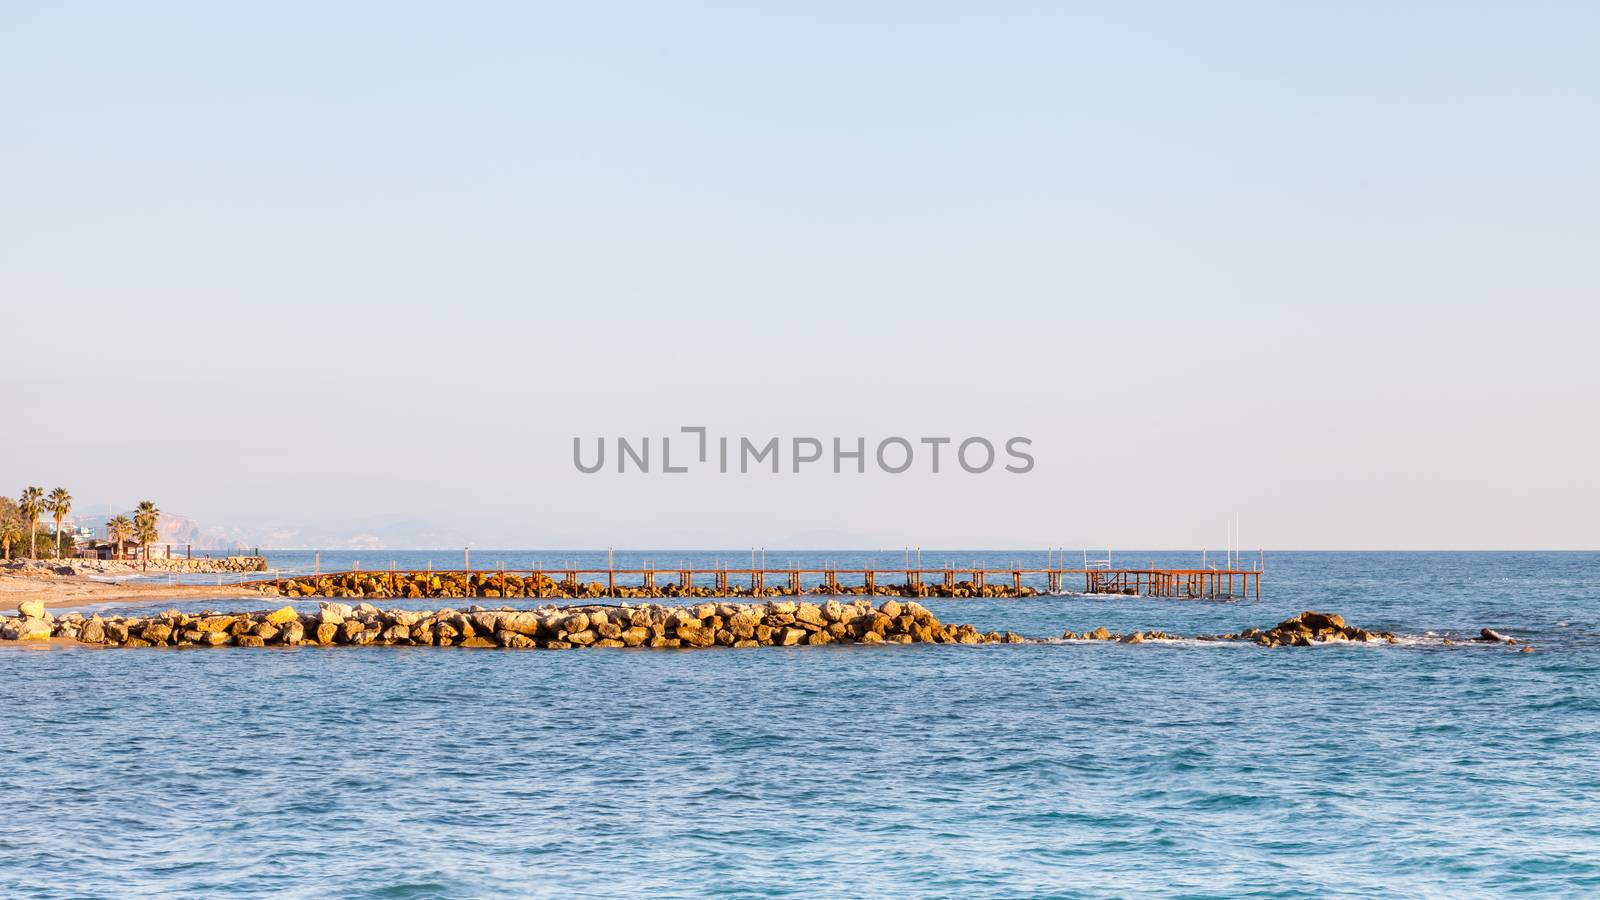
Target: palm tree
{"points": [[59, 503], [119, 529], [29, 503], [10, 533], [145, 519]]}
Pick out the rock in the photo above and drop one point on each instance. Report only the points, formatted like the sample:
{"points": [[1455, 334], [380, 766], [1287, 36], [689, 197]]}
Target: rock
{"points": [[1492, 636], [30, 609], [696, 635], [326, 632], [1314, 621], [890, 608], [27, 629], [335, 613], [94, 631], [1099, 634], [527, 623], [790, 636], [215, 623], [282, 616]]}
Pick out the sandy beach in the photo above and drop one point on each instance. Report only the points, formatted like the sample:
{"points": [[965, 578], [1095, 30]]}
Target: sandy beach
{"points": [[60, 591]]}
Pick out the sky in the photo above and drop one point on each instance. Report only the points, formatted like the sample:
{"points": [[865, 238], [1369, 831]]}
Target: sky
{"points": [[334, 272]]}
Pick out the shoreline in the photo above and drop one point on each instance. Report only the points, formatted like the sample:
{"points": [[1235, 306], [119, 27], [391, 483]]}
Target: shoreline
{"points": [[63, 591]]}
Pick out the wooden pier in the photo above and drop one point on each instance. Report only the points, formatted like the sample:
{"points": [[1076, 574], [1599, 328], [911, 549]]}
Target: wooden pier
{"points": [[572, 581]]}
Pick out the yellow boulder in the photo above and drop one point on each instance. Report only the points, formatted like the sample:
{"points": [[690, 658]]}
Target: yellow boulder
{"points": [[282, 616]]}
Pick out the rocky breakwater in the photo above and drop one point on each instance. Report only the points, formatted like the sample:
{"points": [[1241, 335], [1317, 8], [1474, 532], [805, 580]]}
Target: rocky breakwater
{"points": [[1308, 629], [1303, 630], [77, 567], [457, 585], [211, 564], [781, 623]]}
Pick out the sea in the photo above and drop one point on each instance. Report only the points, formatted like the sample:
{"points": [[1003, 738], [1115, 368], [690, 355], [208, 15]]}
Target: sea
{"points": [[1062, 769]]}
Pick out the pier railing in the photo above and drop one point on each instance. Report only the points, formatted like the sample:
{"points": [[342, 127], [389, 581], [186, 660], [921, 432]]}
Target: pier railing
{"points": [[724, 581]]}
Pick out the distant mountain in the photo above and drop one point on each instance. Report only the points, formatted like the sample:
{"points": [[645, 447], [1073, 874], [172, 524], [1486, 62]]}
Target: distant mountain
{"points": [[173, 529], [397, 533], [376, 533]]}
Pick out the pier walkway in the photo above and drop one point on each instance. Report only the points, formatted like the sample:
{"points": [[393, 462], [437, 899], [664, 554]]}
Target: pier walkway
{"points": [[1208, 583]]}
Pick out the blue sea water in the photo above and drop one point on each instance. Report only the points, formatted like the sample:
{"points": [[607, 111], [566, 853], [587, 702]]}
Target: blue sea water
{"points": [[1064, 769]]}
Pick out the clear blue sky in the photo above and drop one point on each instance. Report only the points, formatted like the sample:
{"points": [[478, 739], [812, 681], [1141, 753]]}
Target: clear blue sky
{"points": [[322, 265]]}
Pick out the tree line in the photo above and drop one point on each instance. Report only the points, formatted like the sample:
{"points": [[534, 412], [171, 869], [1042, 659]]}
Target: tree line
{"points": [[20, 528]]}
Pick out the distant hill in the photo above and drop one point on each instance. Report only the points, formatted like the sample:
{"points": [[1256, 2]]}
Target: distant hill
{"points": [[173, 529]]}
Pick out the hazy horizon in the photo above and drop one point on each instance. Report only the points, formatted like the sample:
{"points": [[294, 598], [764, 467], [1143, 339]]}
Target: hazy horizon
{"points": [[363, 274]]}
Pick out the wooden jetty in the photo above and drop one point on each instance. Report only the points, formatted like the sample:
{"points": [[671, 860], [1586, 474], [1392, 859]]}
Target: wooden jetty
{"points": [[948, 580]]}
